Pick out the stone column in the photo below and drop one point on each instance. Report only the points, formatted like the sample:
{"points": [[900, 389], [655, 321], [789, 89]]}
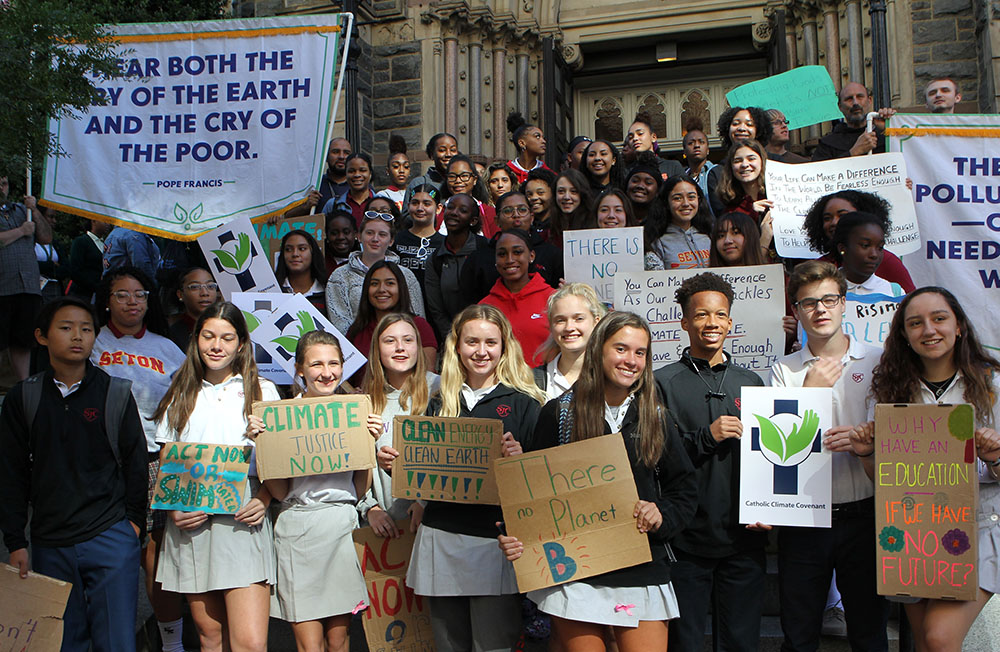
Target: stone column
{"points": [[791, 27], [810, 47], [451, 84], [831, 25], [499, 100], [475, 97], [855, 42], [522, 84]]}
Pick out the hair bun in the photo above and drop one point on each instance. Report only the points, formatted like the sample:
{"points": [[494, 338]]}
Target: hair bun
{"points": [[694, 124], [643, 117], [397, 144], [515, 121]]}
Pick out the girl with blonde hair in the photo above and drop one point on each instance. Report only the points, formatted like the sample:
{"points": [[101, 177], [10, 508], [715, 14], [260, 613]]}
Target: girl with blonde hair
{"points": [[574, 311]]}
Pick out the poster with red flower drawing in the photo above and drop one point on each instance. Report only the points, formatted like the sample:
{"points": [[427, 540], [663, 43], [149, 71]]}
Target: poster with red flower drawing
{"points": [[926, 496]]}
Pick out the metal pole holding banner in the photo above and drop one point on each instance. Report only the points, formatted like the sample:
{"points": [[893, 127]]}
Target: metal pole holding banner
{"points": [[880, 54], [352, 118], [336, 97], [27, 188], [871, 117]]}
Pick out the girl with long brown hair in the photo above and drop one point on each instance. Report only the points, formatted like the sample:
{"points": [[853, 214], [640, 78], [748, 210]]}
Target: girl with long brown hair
{"points": [[616, 396]]}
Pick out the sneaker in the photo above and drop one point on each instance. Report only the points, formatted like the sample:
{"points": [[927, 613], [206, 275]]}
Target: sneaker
{"points": [[834, 623]]}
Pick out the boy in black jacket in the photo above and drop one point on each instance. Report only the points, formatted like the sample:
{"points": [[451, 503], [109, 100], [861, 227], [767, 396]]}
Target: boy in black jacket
{"points": [[719, 561], [88, 501]]}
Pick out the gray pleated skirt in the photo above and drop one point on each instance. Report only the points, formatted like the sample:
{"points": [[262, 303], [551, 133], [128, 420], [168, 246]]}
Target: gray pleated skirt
{"points": [[606, 605], [448, 564], [989, 536], [318, 571]]}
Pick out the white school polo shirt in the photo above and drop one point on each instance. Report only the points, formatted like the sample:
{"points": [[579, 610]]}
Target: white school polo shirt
{"points": [[850, 408]]}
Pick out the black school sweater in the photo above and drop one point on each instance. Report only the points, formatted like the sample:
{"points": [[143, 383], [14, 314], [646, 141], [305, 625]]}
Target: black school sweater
{"points": [[671, 485], [67, 470], [715, 531], [518, 412]]}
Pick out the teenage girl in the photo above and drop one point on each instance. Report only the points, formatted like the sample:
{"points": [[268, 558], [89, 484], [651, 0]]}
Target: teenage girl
{"points": [[529, 142], [416, 244], [462, 177], [859, 246], [737, 123], [341, 239], [539, 188], [223, 563], [573, 202], [397, 382], [398, 170], [574, 311], [741, 187], [932, 355], [499, 181], [602, 166], [196, 290], [301, 268], [682, 239], [617, 396], [319, 578]]}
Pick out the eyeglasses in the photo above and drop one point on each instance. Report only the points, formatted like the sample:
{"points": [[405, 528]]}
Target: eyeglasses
{"points": [[828, 301], [198, 287], [459, 176], [122, 296], [375, 215], [508, 211], [781, 122]]}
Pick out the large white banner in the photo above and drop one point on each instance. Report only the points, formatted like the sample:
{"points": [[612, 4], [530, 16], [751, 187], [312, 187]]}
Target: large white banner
{"points": [[213, 121], [953, 163], [756, 339], [795, 188]]}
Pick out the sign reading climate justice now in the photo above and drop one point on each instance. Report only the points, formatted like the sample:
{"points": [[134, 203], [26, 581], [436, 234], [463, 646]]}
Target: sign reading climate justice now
{"points": [[195, 477], [313, 436], [795, 188], [446, 458], [212, 121], [31, 611], [926, 492], [756, 339], [572, 512]]}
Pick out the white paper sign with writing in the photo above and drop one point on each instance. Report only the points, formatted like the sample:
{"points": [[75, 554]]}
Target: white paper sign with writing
{"points": [[786, 475], [756, 339], [795, 188], [237, 260], [867, 317], [596, 256]]}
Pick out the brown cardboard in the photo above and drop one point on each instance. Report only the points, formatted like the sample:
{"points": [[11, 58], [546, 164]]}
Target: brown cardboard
{"points": [[31, 611], [396, 618], [195, 477], [444, 458], [313, 436], [926, 495], [572, 508]]}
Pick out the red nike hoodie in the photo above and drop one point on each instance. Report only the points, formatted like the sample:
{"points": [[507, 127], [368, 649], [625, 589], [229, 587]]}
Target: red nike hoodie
{"points": [[527, 311]]}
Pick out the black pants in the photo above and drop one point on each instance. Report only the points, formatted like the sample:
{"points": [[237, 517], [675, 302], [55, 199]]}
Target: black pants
{"points": [[735, 587], [806, 559]]}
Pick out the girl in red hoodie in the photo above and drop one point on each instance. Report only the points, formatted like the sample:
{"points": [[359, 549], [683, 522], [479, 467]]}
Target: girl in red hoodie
{"points": [[523, 297]]}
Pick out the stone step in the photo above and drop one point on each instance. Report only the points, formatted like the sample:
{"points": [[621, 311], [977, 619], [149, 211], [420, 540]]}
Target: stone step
{"points": [[771, 638]]}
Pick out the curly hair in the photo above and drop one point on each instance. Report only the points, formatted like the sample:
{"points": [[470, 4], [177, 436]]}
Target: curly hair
{"points": [[848, 223], [760, 122], [153, 320], [704, 282], [864, 202]]}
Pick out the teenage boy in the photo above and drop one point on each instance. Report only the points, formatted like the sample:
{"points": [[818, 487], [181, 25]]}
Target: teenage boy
{"points": [[807, 556], [88, 500], [720, 563]]}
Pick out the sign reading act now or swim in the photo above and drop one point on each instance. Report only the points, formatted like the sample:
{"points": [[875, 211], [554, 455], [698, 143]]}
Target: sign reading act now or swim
{"points": [[313, 436]]}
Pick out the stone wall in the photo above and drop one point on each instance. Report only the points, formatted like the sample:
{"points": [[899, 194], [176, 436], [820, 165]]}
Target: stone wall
{"points": [[944, 45], [396, 104]]}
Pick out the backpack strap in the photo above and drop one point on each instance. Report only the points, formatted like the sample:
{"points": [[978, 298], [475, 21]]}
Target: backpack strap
{"points": [[119, 392], [31, 396], [565, 417]]}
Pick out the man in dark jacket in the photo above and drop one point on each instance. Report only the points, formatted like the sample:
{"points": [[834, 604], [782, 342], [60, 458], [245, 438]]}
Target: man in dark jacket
{"points": [[715, 554], [850, 138]]}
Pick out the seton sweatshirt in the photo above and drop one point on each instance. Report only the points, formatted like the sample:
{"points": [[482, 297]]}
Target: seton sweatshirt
{"points": [[527, 311]]}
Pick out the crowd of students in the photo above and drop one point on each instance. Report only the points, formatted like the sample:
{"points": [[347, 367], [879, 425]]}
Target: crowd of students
{"points": [[452, 285]]}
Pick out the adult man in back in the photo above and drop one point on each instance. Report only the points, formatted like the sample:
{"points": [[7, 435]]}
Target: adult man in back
{"points": [[777, 146], [850, 137], [941, 95], [334, 181]]}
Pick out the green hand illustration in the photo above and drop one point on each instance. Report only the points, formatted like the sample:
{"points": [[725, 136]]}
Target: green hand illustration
{"points": [[773, 438], [242, 254], [287, 342], [306, 323], [252, 321]]}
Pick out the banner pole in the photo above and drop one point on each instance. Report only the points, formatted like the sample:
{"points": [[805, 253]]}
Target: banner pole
{"points": [[336, 96], [27, 174]]}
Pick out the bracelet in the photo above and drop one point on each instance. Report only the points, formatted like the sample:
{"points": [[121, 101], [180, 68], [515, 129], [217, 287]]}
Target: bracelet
{"points": [[868, 455], [994, 464]]}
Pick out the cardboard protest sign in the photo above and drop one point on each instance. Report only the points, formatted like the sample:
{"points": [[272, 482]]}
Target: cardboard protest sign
{"points": [[270, 235], [786, 475], [31, 611], [236, 259], [396, 618], [446, 458], [794, 188], [210, 121], [867, 317], [280, 331], [571, 506], [926, 497], [756, 339], [256, 308], [312, 436], [804, 94], [595, 256], [195, 477]]}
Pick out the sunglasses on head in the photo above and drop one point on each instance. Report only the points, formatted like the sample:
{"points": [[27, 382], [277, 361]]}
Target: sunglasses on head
{"points": [[376, 215]]}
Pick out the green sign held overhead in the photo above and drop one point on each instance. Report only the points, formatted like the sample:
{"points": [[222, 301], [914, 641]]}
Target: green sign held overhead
{"points": [[805, 95]]}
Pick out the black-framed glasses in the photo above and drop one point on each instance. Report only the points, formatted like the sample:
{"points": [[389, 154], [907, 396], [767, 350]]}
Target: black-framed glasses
{"points": [[828, 300], [508, 211], [198, 287], [375, 215], [122, 296], [459, 176], [780, 121]]}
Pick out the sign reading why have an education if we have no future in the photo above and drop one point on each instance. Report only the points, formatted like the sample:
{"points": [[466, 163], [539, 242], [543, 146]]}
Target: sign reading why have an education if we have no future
{"points": [[926, 492], [197, 477], [211, 121], [756, 338], [786, 475], [396, 619], [572, 512], [446, 458], [31, 611], [313, 436], [596, 256]]}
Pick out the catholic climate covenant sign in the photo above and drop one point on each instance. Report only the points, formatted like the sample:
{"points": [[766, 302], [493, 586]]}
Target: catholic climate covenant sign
{"points": [[213, 121]]}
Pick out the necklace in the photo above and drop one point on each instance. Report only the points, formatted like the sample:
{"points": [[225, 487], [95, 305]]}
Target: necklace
{"points": [[713, 393], [937, 387]]}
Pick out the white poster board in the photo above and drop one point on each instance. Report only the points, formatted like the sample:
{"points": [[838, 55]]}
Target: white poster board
{"points": [[786, 475], [867, 317], [257, 308], [596, 256], [756, 339], [794, 188], [237, 260]]}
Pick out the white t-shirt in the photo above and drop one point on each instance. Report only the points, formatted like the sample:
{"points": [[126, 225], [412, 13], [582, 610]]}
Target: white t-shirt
{"points": [[556, 382]]}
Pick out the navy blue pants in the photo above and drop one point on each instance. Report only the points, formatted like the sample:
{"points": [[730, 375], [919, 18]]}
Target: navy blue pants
{"points": [[806, 560], [104, 572]]}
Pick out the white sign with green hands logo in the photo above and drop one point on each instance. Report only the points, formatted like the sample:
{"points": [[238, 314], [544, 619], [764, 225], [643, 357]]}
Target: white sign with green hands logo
{"points": [[237, 260], [786, 475]]}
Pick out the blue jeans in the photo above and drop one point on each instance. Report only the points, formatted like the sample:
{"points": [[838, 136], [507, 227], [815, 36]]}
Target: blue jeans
{"points": [[104, 572]]}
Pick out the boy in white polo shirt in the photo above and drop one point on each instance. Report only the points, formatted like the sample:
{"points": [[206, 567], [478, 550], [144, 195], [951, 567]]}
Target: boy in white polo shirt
{"points": [[808, 556]]}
